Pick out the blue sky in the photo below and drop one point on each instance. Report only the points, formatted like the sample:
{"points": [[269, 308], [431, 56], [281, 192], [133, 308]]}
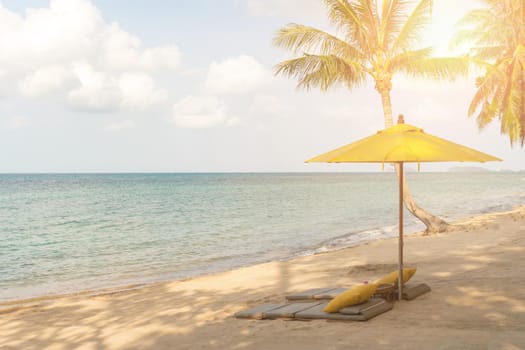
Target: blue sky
{"points": [[124, 86]]}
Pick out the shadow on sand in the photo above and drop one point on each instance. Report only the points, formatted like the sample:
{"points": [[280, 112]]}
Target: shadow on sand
{"points": [[476, 303]]}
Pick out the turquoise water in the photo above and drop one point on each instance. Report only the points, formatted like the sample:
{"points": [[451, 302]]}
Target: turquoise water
{"points": [[62, 233]]}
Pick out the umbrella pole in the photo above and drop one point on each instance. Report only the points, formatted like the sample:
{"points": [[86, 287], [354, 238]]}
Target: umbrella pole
{"points": [[400, 272]]}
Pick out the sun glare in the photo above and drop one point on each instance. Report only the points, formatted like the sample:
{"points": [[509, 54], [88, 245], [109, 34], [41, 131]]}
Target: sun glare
{"points": [[445, 15]]}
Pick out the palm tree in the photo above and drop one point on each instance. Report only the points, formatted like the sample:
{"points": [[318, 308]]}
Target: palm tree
{"points": [[374, 42], [497, 36]]}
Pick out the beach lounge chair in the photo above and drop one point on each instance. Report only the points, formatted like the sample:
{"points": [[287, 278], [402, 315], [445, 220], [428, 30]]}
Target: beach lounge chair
{"points": [[410, 292], [316, 294], [314, 311]]}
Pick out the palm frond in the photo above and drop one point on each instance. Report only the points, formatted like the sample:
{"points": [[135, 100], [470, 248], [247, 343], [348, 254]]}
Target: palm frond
{"points": [[344, 16], [411, 30], [487, 86], [366, 10], [489, 113], [400, 61], [479, 28], [513, 113], [392, 19], [487, 53], [465, 36], [477, 67], [520, 84], [510, 125], [497, 36], [301, 38], [436, 68], [321, 71], [499, 96], [476, 18]]}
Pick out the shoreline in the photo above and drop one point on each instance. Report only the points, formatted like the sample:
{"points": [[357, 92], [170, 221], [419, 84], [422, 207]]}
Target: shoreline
{"points": [[109, 243], [476, 302], [465, 223]]}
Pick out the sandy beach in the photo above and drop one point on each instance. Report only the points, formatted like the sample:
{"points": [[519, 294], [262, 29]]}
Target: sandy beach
{"points": [[476, 271]]}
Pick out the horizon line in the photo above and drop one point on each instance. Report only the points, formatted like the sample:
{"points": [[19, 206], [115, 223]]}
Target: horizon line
{"points": [[481, 170]]}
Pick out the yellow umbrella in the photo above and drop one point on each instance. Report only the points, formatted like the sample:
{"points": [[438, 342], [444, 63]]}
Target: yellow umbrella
{"points": [[400, 144]]}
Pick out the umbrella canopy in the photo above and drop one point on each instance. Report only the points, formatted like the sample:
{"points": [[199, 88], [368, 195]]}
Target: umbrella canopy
{"points": [[400, 144]]}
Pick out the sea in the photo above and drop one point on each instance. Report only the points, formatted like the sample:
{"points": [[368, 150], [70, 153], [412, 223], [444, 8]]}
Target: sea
{"points": [[65, 233]]}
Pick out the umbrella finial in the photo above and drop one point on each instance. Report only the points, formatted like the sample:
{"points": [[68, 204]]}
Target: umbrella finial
{"points": [[401, 119]]}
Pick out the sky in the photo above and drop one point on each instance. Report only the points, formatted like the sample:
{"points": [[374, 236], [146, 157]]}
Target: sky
{"points": [[188, 86]]}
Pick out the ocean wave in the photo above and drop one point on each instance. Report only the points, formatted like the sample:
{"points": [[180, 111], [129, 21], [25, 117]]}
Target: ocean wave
{"points": [[91, 231]]}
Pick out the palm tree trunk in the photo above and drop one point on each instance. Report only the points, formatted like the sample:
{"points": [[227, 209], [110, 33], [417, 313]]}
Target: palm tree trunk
{"points": [[433, 223], [387, 107]]}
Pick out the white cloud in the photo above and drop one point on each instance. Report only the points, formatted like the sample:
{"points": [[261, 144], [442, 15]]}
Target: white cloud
{"points": [[138, 91], [18, 122], [165, 57], [201, 112], [96, 91], [99, 91], [120, 50], [45, 80], [118, 126], [43, 49], [236, 75], [58, 34]]}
